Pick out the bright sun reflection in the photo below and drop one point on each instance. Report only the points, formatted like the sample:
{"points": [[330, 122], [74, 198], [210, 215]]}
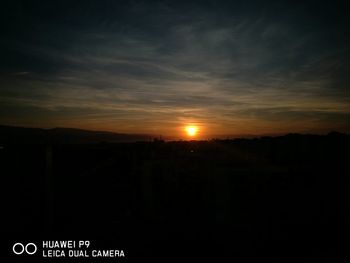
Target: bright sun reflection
{"points": [[191, 130]]}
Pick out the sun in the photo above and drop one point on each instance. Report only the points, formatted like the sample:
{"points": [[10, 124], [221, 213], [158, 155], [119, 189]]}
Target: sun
{"points": [[191, 131]]}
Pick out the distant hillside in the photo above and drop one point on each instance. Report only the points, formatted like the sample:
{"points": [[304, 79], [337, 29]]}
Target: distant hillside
{"points": [[10, 134]]}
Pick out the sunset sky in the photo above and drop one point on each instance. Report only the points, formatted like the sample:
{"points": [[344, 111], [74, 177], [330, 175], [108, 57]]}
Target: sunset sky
{"points": [[226, 67]]}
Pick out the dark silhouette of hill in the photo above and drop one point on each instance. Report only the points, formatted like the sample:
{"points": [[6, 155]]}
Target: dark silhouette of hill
{"points": [[10, 134], [283, 199]]}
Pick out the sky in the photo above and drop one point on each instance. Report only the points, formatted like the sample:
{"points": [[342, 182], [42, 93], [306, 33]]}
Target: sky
{"points": [[153, 67]]}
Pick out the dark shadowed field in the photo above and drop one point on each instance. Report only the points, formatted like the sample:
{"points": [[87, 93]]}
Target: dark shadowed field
{"points": [[282, 198]]}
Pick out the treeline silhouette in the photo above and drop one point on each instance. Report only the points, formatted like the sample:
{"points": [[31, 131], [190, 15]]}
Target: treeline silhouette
{"points": [[12, 134], [283, 198]]}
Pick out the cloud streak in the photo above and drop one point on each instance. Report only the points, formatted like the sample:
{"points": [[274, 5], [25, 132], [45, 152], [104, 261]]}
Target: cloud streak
{"points": [[156, 67]]}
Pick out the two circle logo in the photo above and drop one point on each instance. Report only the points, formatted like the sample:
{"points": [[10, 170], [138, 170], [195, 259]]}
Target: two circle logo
{"points": [[29, 248]]}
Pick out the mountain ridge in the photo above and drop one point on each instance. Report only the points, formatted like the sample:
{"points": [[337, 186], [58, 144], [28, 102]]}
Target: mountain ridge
{"points": [[16, 134]]}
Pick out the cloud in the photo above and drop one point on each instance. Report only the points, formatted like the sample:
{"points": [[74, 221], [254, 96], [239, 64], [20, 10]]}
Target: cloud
{"points": [[153, 64]]}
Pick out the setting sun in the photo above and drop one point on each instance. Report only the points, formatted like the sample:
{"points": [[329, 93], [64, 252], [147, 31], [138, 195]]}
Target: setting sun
{"points": [[191, 130]]}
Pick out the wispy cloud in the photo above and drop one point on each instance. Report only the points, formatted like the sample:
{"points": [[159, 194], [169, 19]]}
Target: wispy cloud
{"points": [[159, 66]]}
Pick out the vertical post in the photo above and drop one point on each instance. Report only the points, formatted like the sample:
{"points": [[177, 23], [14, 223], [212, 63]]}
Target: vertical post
{"points": [[49, 190]]}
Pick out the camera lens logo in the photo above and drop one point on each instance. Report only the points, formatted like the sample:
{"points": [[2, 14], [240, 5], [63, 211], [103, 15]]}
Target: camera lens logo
{"points": [[29, 248]]}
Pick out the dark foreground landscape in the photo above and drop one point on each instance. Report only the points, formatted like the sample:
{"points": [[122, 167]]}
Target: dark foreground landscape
{"points": [[278, 198]]}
